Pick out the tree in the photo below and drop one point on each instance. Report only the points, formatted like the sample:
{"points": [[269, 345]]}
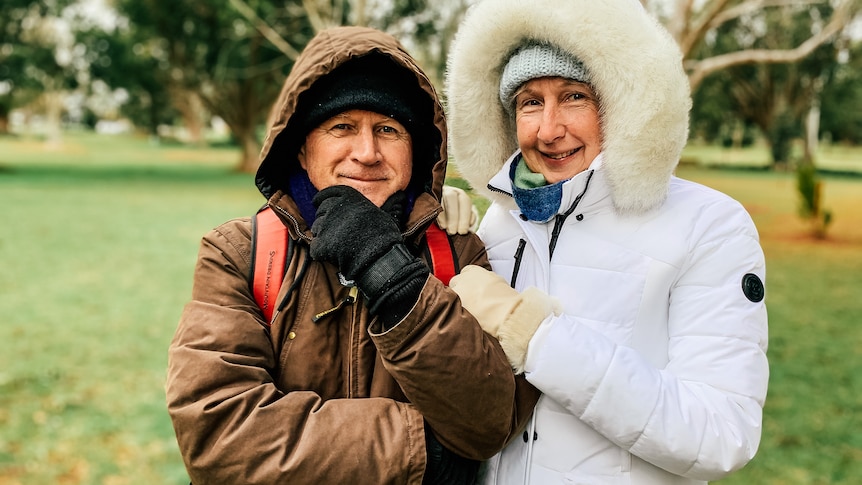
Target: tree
{"points": [[122, 61], [693, 23], [233, 54], [758, 85], [35, 60], [426, 29], [841, 99], [206, 50], [775, 97]]}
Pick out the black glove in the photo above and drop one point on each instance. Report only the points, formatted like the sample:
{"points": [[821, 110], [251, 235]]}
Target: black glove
{"points": [[444, 467], [350, 231], [365, 242]]}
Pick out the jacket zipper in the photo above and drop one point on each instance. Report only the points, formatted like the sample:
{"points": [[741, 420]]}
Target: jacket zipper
{"points": [[555, 233], [347, 300], [519, 254], [293, 221], [531, 441], [561, 218]]}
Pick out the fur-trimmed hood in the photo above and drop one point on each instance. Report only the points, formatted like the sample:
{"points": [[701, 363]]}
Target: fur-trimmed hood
{"points": [[635, 68]]}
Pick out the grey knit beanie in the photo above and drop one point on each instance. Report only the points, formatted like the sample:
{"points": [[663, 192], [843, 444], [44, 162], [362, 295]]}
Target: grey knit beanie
{"points": [[536, 60]]}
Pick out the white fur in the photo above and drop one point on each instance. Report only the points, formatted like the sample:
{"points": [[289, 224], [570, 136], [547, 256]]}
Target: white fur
{"points": [[635, 67]]}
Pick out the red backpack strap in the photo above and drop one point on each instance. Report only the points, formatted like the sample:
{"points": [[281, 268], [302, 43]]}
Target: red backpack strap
{"points": [[442, 259], [269, 253]]}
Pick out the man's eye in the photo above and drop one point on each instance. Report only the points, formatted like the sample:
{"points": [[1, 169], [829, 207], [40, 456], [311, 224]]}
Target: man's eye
{"points": [[389, 131], [340, 126]]}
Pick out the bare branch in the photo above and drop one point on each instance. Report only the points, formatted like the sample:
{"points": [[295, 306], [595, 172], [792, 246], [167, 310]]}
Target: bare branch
{"points": [[753, 6], [698, 70], [679, 19], [268, 32], [314, 15], [323, 18], [361, 17], [689, 37]]}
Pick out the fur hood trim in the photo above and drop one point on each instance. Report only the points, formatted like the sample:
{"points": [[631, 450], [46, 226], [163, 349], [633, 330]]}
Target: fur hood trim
{"points": [[634, 66]]}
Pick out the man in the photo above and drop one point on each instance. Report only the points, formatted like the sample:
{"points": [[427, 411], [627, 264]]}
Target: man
{"points": [[369, 370]]}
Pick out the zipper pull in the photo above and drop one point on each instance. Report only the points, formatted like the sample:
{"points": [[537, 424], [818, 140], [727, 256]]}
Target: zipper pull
{"points": [[349, 299]]}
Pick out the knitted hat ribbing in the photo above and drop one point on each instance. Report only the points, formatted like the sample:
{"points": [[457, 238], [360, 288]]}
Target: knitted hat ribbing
{"points": [[372, 83], [534, 61]]}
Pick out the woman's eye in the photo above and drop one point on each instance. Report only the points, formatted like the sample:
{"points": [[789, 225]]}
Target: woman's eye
{"points": [[529, 104]]}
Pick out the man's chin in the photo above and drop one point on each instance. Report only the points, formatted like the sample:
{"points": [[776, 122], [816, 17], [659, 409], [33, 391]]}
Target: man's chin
{"points": [[376, 192]]}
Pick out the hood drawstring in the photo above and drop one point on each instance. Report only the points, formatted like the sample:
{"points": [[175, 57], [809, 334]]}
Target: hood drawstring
{"points": [[291, 247]]}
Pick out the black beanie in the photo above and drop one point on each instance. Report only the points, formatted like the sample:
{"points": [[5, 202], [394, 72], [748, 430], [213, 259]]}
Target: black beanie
{"points": [[372, 83]]}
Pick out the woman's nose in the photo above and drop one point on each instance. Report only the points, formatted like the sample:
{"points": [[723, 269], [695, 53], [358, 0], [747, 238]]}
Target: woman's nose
{"points": [[552, 125]]}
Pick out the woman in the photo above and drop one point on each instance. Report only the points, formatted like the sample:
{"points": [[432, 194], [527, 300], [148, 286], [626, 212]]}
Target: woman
{"points": [[637, 306]]}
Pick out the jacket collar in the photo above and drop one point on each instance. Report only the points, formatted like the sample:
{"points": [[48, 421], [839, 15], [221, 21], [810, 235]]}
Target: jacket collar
{"points": [[591, 183]]}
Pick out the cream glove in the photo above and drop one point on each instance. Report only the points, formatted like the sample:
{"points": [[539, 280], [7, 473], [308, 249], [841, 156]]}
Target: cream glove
{"points": [[459, 215], [503, 313]]}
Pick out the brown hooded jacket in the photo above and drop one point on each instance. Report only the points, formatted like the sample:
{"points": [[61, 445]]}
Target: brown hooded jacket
{"points": [[332, 401]]}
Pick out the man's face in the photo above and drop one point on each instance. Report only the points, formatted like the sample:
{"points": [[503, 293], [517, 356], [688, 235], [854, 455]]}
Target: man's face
{"points": [[558, 126], [365, 150]]}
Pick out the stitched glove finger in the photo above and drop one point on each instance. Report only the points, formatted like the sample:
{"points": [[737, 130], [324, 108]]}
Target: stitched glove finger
{"points": [[444, 467], [459, 214], [350, 231]]}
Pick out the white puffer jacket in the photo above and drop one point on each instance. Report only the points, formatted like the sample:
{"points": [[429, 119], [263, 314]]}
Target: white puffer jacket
{"points": [[656, 372]]}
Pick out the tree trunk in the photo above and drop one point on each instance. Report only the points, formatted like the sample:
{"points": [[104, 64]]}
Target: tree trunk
{"points": [[250, 148], [53, 118], [812, 127], [812, 120], [780, 137], [189, 104]]}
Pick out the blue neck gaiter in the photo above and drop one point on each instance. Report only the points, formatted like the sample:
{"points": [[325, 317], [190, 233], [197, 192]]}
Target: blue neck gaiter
{"points": [[539, 203], [302, 192]]}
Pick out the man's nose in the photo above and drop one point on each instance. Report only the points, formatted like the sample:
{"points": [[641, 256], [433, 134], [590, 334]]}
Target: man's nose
{"points": [[365, 148]]}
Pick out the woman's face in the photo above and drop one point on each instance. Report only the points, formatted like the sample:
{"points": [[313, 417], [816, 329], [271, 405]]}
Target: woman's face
{"points": [[365, 150], [558, 126]]}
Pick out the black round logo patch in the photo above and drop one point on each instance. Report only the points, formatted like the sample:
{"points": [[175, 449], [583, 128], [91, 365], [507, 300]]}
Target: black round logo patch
{"points": [[753, 287]]}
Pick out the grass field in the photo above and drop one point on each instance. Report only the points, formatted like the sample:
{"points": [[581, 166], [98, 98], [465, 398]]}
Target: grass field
{"points": [[96, 254]]}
